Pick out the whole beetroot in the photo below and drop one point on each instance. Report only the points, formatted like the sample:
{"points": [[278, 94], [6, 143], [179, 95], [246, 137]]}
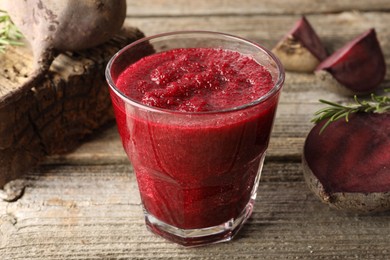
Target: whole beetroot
{"points": [[53, 26]]}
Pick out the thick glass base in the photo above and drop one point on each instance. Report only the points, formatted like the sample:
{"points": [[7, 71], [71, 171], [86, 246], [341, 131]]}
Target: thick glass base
{"points": [[209, 235], [202, 236]]}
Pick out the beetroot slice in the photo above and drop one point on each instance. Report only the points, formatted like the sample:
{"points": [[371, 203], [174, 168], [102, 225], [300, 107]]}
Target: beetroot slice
{"points": [[359, 65], [305, 34], [300, 49], [348, 165]]}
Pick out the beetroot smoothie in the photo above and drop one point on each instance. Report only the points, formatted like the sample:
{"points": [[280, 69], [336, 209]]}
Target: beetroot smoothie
{"points": [[196, 145]]}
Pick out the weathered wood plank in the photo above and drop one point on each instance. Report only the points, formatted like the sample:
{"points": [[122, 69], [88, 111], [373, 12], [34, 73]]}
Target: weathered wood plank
{"points": [[249, 7], [88, 212], [334, 29]]}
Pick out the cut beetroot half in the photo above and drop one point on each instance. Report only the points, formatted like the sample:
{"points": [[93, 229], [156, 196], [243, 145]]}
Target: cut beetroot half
{"points": [[300, 49], [348, 165], [359, 67], [306, 35]]}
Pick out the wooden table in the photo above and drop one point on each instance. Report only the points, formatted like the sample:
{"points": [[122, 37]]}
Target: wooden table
{"points": [[85, 205]]}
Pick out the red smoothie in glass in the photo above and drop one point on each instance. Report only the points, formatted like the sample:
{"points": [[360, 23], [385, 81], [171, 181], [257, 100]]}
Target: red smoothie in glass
{"points": [[196, 173]]}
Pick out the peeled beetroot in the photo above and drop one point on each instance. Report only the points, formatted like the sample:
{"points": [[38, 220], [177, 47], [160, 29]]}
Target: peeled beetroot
{"points": [[300, 49], [52, 26], [357, 68], [348, 165]]}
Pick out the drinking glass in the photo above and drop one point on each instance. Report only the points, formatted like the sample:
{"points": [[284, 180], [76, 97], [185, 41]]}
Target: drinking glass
{"points": [[197, 172]]}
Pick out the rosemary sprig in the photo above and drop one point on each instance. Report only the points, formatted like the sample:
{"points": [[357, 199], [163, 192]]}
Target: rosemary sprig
{"points": [[335, 111], [9, 33]]}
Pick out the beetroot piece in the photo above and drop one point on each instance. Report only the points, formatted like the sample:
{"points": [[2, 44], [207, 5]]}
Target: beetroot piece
{"points": [[348, 165], [52, 26], [358, 67], [301, 49]]}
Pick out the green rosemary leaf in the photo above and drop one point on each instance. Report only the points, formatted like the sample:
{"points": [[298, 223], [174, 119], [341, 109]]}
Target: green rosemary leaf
{"points": [[325, 126], [335, 111], [9, 33], [340, 114], [330, 103]]}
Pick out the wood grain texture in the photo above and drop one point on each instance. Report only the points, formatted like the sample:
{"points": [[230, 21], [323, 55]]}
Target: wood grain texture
{"points": [[85, 204], [334, 29], [17, 65], [248, 7], [89, 212]]}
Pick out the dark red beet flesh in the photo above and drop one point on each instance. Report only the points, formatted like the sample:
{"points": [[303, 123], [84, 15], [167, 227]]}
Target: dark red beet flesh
{"points": [[351, 157], [359, 65], [304, 33]]}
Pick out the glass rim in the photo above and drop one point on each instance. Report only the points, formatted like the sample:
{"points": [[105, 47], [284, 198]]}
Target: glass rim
{"points": [[273, 91]]}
